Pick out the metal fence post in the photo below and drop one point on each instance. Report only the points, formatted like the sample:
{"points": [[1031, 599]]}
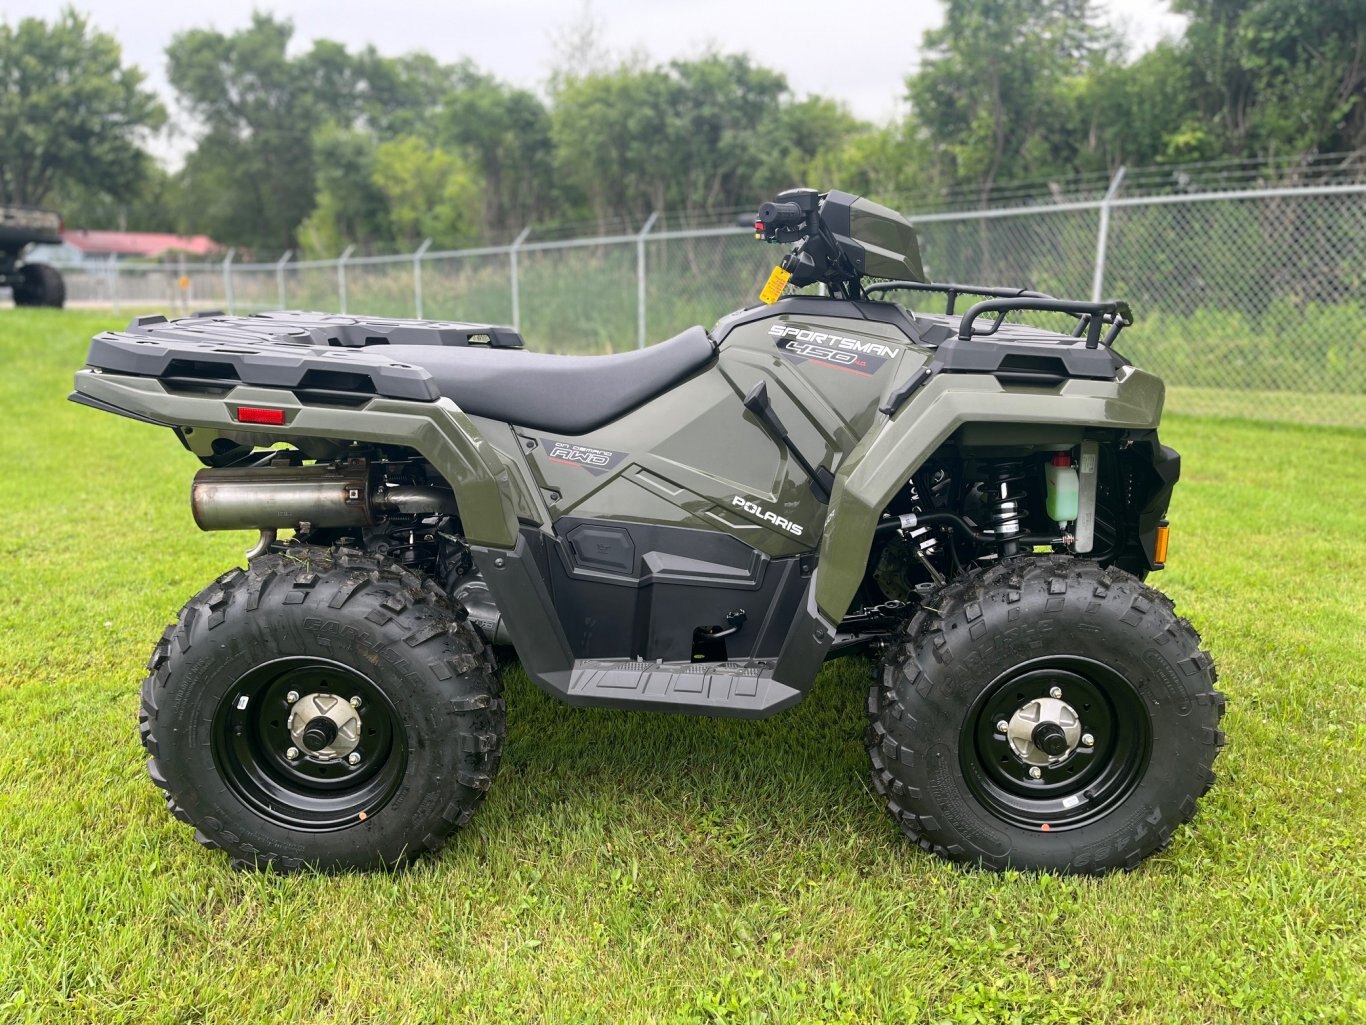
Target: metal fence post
{"points": [[516, 289], [114, 282], [280, 275], [640, 279], [341, 276], [417, 276], [1103, 236], [227, 280]]}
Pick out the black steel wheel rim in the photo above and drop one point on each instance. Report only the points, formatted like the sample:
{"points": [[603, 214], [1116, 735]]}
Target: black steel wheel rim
{"points": [[251, 741], [1093, 779]]}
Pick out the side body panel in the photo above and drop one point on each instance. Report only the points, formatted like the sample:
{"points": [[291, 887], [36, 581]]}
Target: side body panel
{"points": [[684, 459]]}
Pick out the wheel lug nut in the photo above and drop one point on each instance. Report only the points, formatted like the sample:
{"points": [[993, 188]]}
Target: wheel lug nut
{"points": [[1055, 692], [353, 758], [1002, 726], [292, 696], [292, 754], [1087, 740], [1035, 772], [355, 702]]}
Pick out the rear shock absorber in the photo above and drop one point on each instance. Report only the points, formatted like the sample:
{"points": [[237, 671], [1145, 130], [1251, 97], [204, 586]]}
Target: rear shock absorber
{"points": [[1003, 496]]}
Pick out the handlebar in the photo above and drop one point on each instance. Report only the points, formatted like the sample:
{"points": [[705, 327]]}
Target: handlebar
{"points": [[795, 216], [780, 215]]}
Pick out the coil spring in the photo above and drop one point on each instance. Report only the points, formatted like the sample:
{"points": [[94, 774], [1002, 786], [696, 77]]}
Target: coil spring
{"points": [[1003, 495], [922, 538]]}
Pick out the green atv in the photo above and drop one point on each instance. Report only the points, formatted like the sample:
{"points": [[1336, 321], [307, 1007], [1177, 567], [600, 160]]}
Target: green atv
{"points": [[967, 501]]}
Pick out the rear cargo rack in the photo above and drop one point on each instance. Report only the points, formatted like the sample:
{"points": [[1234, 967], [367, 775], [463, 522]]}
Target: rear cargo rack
{"points": [[1092, 317], [323, 357]]}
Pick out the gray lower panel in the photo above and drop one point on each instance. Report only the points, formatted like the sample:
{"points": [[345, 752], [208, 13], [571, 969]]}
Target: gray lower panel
{"points": [[744, 690], [517, 584]]}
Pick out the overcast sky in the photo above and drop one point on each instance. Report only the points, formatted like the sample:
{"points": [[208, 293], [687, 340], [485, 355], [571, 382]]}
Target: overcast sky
{"points": [[858, 51]]}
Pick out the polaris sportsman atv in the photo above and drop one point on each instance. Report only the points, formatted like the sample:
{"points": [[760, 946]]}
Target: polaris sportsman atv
{"points": [[971, 502]]}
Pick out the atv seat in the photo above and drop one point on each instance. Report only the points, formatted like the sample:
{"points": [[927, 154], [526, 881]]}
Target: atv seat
{"points": [[565, 394]]}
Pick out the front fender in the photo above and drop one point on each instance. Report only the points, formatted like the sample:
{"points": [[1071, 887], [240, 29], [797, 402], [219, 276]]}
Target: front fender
{"points": [[439, 430], [896, 447]]}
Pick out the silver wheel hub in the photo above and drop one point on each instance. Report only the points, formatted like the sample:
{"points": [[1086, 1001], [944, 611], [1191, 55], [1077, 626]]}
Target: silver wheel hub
{"points": [[1056, 717], [340, 724]]}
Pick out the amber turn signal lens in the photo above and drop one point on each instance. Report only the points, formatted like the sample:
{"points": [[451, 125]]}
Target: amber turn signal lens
{"points": [[1160, 545]]}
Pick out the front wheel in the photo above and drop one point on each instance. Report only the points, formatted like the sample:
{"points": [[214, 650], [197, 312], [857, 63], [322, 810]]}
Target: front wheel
{"points": [[1045, 714], [323, 708]]}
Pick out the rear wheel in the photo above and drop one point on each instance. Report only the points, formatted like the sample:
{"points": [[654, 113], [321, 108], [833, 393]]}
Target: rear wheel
{"points": [[1045, 714], [322, 708], [39, 285]]}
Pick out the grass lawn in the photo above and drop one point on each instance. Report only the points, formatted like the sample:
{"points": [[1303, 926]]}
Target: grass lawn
{"points": [[630, 867]]}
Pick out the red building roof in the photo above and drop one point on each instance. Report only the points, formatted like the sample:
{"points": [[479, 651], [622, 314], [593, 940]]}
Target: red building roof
{"points": [[147, 244]]}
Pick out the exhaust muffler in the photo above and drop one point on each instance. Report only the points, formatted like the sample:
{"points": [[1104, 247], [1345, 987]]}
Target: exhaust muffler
{"points": [[269, 498]]}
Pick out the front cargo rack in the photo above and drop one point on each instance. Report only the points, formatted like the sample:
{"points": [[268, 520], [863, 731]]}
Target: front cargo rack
{"points": [[1092, 317], [1018, 356]]}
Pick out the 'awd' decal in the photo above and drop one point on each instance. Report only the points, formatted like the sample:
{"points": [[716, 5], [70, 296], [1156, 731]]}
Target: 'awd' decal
{"points": [[754, 509], [596, 461], [838, 352]]}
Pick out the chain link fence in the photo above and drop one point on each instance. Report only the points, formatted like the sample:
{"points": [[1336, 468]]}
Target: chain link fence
{"points": [[1249, 303]]}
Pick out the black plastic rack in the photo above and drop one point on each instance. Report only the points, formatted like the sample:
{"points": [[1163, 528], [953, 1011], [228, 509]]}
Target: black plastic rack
{"points": [[1092, 317]]}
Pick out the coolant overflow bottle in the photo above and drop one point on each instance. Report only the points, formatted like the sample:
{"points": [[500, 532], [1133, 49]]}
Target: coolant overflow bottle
{"points": [[1061, 478]]}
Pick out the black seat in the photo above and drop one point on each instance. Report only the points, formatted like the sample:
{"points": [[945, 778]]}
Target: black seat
{"points": [[565, 394]]}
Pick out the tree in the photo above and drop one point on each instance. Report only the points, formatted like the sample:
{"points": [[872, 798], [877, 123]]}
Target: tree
{"points": [[994, 87], [806, 144], [609, 152], [251, 174], [506, 134], [71, 114], [402, 95], [286, 135], [350, 208], [702, 135], [715, 133], [1278, 76], [1261, 79], [1141, 113], [152, 205], [254, 174], [890, 163], [430, 192]]}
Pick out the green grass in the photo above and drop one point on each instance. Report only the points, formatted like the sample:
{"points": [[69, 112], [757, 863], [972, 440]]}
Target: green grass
{"points": [[655, 868], [1329, 410]]}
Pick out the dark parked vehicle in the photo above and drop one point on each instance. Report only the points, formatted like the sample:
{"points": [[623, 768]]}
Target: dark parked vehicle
{"points": [[32, 284], [969, 502]]}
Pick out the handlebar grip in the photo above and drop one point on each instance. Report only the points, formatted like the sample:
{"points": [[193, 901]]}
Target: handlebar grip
{"points": [[780, 215]]}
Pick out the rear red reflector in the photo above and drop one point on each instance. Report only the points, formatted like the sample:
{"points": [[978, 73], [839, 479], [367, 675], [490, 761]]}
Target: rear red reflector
{"points": [[257, 415]]}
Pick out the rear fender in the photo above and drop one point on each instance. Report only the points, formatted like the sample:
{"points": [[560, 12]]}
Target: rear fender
{"points": [[438, 430], [897, 446]]}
